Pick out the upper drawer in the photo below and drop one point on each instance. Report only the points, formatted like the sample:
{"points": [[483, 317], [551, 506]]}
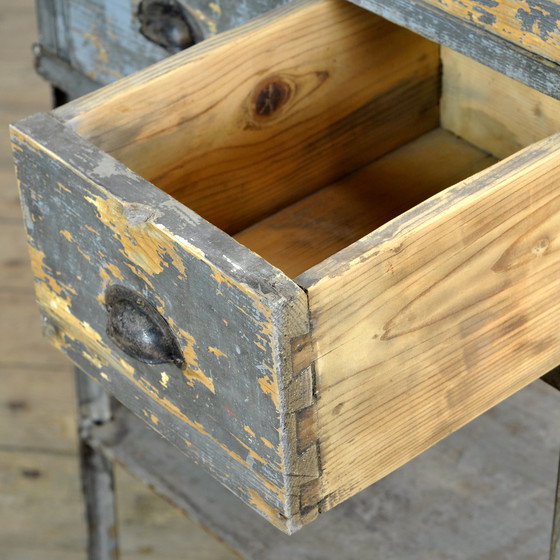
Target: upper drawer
{"points": [[520, 39], [85, 44], [303, 224]]}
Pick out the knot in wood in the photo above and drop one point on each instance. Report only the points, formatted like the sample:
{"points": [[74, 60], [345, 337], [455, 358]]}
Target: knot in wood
{"points": [[271, 96]]}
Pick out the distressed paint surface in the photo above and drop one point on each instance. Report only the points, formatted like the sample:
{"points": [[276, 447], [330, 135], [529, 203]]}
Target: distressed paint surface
{"points": [[531, 24], [93, 223], [102, 39], [508, 52]]}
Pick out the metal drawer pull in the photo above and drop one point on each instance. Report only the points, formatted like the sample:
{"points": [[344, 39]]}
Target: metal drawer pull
{"points": [[139, 330], [166, 23]]}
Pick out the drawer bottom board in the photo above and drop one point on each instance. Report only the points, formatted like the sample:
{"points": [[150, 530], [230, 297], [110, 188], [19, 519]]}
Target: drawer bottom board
{"points": [[316, 227]]}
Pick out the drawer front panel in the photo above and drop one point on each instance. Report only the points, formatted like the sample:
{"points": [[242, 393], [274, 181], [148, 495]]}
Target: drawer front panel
{"points": [[103, 38], [103, 226]]}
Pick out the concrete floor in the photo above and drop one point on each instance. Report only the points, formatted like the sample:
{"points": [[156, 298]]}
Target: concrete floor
{"points": [[502, 467]]}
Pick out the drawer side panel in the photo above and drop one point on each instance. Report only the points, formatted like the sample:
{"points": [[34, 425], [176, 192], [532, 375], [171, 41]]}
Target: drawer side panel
{"points": [[435, 318]]}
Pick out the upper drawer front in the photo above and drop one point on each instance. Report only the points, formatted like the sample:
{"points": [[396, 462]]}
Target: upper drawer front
{"points": [[108, 39], [520, 39]]}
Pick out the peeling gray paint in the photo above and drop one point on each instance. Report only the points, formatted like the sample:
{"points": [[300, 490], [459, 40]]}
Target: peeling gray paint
{"points": [[542, 18]]}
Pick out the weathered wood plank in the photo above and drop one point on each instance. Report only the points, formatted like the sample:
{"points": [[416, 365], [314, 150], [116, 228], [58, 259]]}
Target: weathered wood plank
{"points": [[61, 74], [532, 24], [329, 220], [43, 488], [233, 313], [491, 110], [102, 41], [37, 410], [435, 317], [475, 41], [10, 209], [22, 344], [240, 126], [15, 273], [484, 492]]}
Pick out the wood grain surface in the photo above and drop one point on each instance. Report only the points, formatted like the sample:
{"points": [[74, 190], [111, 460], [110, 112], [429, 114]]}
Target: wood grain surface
{"points": [[532, 24], [418, 327], [244, 124], [435, 317], [493, 111], [461, 26], [309, 231]]}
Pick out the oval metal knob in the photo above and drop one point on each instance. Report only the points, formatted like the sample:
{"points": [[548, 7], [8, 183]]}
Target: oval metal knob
{"points": [[139, 330], [166, 23]]}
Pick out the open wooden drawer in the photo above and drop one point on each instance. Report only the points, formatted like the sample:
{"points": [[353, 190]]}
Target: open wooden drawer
{"points": [[311, 206]]}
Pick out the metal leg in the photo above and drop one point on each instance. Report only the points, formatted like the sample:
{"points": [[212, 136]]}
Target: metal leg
{"points": [[97, 472], [555, 541], [553, 378]]}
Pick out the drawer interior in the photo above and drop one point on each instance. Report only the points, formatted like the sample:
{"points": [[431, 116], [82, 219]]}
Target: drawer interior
{"points": [[301, 135]]}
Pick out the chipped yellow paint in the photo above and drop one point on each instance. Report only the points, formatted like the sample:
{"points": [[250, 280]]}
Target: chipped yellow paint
{"points": [[154, 419], [68, 236], [225, 323], [104, 375], [141, 274], [193, 250], [523, 22], [210, 23], [44, 280], [198, 375], [62, 187], [271, 513], [147, 388], [95, 360], [115, 271], [215, 8], [150, 248], [252, 452], [216, 352], [257, 343], [222, 278], [267, 443], [269, 387], [69, 329], [164, 379], [101, 50], [89, 228], [188, 443], [192, 371], [249, 431], [110, 271], [144, 244]]}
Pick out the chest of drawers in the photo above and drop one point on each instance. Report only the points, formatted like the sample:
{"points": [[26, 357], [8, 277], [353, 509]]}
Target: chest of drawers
{"points": [[305, 250]]}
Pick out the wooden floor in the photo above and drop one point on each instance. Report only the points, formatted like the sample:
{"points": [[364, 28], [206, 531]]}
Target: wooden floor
{"points": [[40, 501]]}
